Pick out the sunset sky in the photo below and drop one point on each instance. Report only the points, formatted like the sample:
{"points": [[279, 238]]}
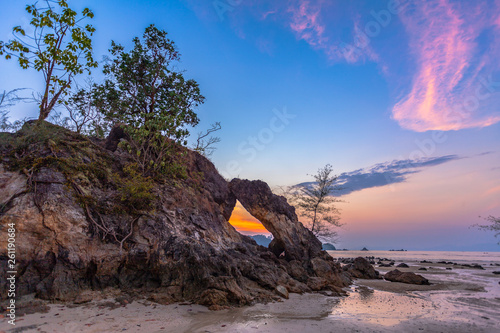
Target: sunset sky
{"points": [[402, 98]]}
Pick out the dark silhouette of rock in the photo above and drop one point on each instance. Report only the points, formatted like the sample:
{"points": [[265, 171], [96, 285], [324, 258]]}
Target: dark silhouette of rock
{"points": [[75, 232], [405, 277], [402, 265], [362, 269], [116, 134], [329, 247], [364, 249], [262, 239]]}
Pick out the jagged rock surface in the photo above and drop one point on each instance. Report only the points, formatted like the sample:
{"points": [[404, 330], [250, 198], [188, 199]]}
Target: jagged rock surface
{"points": [[72, 236], [362, 269]]}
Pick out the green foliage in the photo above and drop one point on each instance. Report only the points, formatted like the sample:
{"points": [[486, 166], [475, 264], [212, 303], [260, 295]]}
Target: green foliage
{"points": [[57, 47], [135, 189], [153, 100]]}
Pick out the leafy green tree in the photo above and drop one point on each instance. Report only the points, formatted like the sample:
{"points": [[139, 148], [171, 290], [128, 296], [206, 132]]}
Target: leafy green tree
{"points": [[153, 100], [60, 48], [315, 204]]}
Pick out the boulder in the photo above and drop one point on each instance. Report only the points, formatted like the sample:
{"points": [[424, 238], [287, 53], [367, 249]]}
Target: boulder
{"points": [[405, 277], [362, 269], [282, 291], [402, 265]]}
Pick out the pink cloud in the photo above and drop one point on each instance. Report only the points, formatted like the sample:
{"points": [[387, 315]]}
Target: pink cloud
{"points": [[307, 22], [448, 90]]}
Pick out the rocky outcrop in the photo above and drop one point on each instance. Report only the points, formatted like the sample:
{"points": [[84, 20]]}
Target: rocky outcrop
{"points": [[362, 269], [405, 277], [291, 239], [83, 222]]}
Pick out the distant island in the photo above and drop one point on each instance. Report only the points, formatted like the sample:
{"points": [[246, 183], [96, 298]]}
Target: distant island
{"points": [[364, 249], [262, 239], [329, 247], [402, 250], [266, 240]]}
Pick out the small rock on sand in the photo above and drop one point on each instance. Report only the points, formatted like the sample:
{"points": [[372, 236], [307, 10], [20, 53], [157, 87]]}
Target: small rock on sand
{"points": [[282, 291], [405, 277]]}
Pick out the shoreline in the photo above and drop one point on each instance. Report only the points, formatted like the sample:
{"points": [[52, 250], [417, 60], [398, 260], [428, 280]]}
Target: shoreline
{"points": [[460, 300]]}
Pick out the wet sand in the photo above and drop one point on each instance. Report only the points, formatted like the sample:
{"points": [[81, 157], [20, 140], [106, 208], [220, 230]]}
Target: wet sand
{"points": [[459, 300]]}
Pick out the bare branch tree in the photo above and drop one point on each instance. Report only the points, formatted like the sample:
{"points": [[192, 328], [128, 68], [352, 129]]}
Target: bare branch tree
{"points": [[205, 142], [84, 116], [7, 100], [314, 203], [493, 226]]}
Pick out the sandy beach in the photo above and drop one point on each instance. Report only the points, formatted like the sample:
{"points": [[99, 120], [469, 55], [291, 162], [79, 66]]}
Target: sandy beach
{"points": [[458, 300]]}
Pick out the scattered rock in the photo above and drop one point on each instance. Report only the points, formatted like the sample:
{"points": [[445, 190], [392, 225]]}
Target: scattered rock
{"points": [[422, 269], [403, 265], [405, 277], [282, 291], [496, 272]]}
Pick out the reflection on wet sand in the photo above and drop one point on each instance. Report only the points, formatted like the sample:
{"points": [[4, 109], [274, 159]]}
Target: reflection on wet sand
{"points": [[459, 300], [381, 307]]}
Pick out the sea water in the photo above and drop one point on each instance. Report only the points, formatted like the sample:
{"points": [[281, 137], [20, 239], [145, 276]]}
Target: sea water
{"points": [[481, 258]]}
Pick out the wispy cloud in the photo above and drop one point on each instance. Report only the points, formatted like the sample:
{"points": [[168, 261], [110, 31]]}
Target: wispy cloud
{"points": [[384, 174], [311, 21], [456, 47], [306, 23]]}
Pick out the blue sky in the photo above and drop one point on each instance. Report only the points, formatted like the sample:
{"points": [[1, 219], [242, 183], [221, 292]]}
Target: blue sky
{"points": [[299, 84]]}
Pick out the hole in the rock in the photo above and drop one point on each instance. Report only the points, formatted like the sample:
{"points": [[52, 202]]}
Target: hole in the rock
{"points": [[248, 225]]}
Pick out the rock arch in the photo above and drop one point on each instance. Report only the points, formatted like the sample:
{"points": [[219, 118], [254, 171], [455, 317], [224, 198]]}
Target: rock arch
{"points": [[277, 216]]}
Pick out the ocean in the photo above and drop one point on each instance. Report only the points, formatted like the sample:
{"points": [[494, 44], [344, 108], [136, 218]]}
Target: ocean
{"points": [[482, 258]]}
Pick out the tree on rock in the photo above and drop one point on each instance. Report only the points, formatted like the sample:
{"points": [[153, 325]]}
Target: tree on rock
{"points": [[60, 48], [315, 204], [150, 97]]}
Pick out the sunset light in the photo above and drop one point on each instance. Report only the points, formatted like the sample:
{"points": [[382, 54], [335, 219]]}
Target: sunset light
{"points": [[245, 223]]}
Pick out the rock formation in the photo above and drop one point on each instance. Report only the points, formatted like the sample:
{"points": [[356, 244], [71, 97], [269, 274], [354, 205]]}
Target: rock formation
{"points": [[405, 277], [85, 222], [291, 239], [362, 269]]}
